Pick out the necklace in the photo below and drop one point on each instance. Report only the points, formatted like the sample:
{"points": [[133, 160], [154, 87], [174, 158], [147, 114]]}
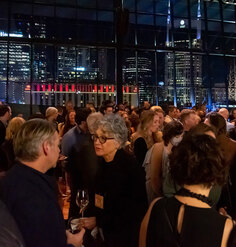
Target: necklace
{"points": [[188, 193]]}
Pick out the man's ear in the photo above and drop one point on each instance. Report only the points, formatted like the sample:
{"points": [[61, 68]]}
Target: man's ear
{"points": [[45, 147]]}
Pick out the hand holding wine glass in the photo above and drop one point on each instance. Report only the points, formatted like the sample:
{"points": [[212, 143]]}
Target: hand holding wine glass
{"points": [[82, 200]]}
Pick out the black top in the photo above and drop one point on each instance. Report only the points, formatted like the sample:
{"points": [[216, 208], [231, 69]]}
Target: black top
{"points": [[140, 150], [7, 155], [9, 232], [2, 132], [30, 197], [201, 226], [232, 238], [125, 203]]}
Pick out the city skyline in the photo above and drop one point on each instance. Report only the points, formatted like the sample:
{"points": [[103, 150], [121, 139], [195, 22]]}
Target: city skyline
{"points": [[187, 77]]}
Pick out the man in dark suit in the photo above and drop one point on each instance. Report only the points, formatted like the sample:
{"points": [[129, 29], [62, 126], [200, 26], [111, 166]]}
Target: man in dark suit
{"points": [[30, 194], [5, 114]]}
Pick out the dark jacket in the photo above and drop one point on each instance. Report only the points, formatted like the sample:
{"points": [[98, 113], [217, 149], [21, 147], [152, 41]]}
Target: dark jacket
{"points": [[120, 183], [9, 232], [7, 155], [82, 167], [228, 197], [30, 197], [2, 132]]}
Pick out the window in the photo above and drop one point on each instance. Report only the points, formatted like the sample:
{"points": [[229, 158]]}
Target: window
{"points": [[73, 45], [3, 71], [145, 6], [180, 8], [161, 6], [213, 11], [19, 73]]}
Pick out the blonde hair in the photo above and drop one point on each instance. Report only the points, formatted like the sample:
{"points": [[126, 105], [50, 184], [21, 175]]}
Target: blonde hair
{"points": [[51, 111], [156, 108], [13, 127], [145, 121], [30, 137]]}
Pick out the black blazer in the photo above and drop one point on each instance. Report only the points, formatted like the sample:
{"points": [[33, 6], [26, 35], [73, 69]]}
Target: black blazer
{"points": [[31, 199], [2, 132]]}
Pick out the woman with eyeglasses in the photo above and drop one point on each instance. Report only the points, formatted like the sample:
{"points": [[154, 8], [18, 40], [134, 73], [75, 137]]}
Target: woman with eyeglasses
{"points": [[119, 196]]}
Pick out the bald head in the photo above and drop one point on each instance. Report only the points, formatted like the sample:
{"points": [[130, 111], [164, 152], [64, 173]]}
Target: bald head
{"points": [[224, 113]]}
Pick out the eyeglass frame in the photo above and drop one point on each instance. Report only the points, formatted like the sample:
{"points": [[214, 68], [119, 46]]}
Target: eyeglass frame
{"points": [[95, 137]]}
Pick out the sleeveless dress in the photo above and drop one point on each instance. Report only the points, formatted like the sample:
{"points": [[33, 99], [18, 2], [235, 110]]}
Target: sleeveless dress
{"points": [[169, 187], [201, 226]]}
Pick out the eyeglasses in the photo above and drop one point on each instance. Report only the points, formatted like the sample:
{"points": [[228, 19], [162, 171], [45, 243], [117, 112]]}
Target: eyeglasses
{"points": [[102, 139]]}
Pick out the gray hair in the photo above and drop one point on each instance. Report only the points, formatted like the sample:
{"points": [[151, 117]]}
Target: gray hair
{"points": [[114, 125], [30, 137]]}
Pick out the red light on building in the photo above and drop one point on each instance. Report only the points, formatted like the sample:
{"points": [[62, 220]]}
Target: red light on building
{"points": [[66, 87], [101, 88], [95, 88], [107, 89], [55, 87], [135, 90], [49, 87], [44, 87], [61, 89], [112, 89], [73, 87], [127, 89], [38, 88]]}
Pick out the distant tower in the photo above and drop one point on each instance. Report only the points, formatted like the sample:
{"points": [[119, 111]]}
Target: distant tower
{"points": [[199, 20], [168, 26], [232, 81]]}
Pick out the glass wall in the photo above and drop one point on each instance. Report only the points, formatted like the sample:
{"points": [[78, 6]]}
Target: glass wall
{"points": [[172, 51]]}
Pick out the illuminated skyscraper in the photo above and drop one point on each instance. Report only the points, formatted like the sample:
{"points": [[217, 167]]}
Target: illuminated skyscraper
{"points": [[3, 70], [19, 72], [147, 90], [232, 81], [185, 94], [19, 60]]}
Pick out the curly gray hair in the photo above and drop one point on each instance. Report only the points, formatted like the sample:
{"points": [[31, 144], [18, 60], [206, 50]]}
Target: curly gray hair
{"points": [[114, 125]]}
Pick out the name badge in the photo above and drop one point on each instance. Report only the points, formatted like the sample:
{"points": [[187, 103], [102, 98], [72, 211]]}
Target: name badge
{"points": [[99, 201]]}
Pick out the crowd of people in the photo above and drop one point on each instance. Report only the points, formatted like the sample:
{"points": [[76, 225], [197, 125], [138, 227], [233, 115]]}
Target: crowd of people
{"points": [[154, 176]]}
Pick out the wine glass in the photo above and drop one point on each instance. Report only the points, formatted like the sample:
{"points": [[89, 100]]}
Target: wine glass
{"points": [[82, 200]]}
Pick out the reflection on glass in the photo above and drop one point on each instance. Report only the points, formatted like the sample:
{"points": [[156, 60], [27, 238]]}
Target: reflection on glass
{"points": [[63, 71]]}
